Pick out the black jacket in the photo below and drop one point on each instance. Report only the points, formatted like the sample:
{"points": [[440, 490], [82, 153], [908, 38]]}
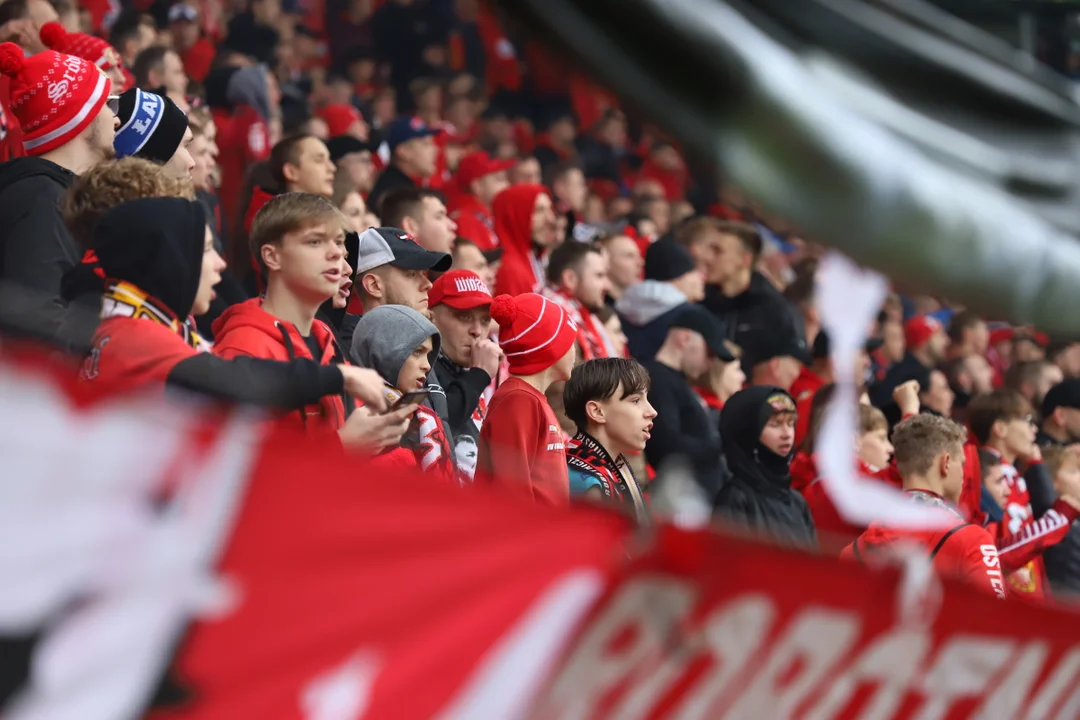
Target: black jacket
{"points": [[464, 387], [36, 247], [682, 428], [758, 494], [760, 307], [389, 180]]}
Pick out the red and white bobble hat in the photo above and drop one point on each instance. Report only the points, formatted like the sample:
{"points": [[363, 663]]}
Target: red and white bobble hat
{"points": [[87, 47], [54, 96], [534, 332]]}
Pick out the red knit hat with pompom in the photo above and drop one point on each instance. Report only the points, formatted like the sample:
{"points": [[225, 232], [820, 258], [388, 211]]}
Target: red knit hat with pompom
{"points": [[81, 45], [534, 332], [54, 96]]}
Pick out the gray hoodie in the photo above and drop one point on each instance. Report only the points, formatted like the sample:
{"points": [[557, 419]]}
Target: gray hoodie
{"points": [[247, 86], [386, 336]]}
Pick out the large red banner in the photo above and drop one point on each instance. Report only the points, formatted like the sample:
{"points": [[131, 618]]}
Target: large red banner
{"points": [[355, 596]]}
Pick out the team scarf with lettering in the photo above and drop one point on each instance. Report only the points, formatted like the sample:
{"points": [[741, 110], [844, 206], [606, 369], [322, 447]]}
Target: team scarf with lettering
{"points": [[591, 334], [584, 453], [122, 299], [426, 437]]}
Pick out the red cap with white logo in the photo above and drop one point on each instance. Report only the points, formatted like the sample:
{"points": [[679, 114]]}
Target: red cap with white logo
{"points": [[460, 289]]}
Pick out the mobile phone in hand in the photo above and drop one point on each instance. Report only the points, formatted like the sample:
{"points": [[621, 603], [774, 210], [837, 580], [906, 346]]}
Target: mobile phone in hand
{"points": [[413, 397]]}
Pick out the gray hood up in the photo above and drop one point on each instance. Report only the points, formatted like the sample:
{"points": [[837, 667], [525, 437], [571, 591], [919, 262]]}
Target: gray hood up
{"points": [[387, 335]]}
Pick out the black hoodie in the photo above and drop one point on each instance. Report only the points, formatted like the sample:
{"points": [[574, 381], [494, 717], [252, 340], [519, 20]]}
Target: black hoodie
{"points": [[758, 494], [35, 246], [157, 244], [760, 307]]}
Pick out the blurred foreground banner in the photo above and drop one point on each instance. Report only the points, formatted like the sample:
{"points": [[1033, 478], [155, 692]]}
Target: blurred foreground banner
{"points": [[158, 557]]}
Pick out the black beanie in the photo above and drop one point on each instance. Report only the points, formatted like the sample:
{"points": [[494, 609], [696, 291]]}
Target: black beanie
{"points": [[151, 126], [667, 260]]}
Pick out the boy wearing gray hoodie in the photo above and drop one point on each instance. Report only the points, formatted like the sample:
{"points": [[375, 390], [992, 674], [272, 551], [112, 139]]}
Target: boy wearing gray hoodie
{"points": [[401, 344]]}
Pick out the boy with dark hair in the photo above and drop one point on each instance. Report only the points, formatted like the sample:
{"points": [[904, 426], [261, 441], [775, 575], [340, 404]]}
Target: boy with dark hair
{"points": [[421, 213], [608, 401], [577, 280], [301, 163]]}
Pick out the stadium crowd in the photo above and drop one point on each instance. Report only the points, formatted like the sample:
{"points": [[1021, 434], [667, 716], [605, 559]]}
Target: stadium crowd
{"points": [[405, 224]]}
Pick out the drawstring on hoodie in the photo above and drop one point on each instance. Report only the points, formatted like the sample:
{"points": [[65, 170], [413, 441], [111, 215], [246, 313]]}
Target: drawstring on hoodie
{"points": [[290, 350]]}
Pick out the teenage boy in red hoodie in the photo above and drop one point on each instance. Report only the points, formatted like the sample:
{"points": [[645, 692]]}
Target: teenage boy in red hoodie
{"points": [[521, 444], [300, 239], [525, 224]]}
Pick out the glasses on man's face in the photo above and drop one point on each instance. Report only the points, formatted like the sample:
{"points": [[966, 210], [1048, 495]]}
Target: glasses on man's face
{"points": [[114, 104], [1028, 419]]}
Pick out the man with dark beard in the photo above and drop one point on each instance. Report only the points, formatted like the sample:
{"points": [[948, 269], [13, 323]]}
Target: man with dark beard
{"points": [[68, 127]]}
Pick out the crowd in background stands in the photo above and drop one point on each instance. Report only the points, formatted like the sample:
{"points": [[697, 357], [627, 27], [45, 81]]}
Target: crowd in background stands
{"points": [[405, 223]]}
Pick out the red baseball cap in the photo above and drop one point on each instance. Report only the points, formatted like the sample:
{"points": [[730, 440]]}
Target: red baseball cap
{"points": [[476, 165], [460, 289], [918, 330]]}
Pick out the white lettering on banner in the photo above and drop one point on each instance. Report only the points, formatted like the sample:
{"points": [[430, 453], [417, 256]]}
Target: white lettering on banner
{"points": [[149, 107], [891, 663], [733, 636], [342, 693], [815, 641], [633, 657], [641, 612], [963, 668]]}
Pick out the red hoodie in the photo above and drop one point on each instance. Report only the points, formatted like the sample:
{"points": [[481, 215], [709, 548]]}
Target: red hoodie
{"points": [[521, 270], [247, 329], [244, 141], [827, 519], [962, 550]]}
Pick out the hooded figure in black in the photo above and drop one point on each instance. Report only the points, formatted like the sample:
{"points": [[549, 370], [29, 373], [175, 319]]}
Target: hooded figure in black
{"points": [[758, 494]]}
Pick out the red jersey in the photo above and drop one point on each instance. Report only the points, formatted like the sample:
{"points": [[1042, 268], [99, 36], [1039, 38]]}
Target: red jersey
{"points": [[131, 353], [244, 141], [522, 446], [247, 329], [963, 550]]}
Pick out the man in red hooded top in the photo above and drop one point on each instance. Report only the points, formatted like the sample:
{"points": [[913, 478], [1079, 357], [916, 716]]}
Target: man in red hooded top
{"points": [[525, 224]]}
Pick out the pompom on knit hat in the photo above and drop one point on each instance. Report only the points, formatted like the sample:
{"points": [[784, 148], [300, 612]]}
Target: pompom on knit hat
{"points": [[54, 96], [81, 45], [534, 332]]}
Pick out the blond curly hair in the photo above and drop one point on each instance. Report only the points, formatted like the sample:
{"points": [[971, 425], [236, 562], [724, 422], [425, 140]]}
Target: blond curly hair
{"points": [[107, 185]]}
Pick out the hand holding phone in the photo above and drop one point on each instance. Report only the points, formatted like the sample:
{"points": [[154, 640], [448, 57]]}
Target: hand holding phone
{"points": [[413, 397]]}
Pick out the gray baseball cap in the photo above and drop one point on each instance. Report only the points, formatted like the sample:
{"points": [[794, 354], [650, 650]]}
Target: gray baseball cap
{"points": [[394, 246]]}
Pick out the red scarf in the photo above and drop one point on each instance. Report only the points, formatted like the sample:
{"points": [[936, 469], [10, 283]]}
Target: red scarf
{"points": [[591, 334], [584, 453]]}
